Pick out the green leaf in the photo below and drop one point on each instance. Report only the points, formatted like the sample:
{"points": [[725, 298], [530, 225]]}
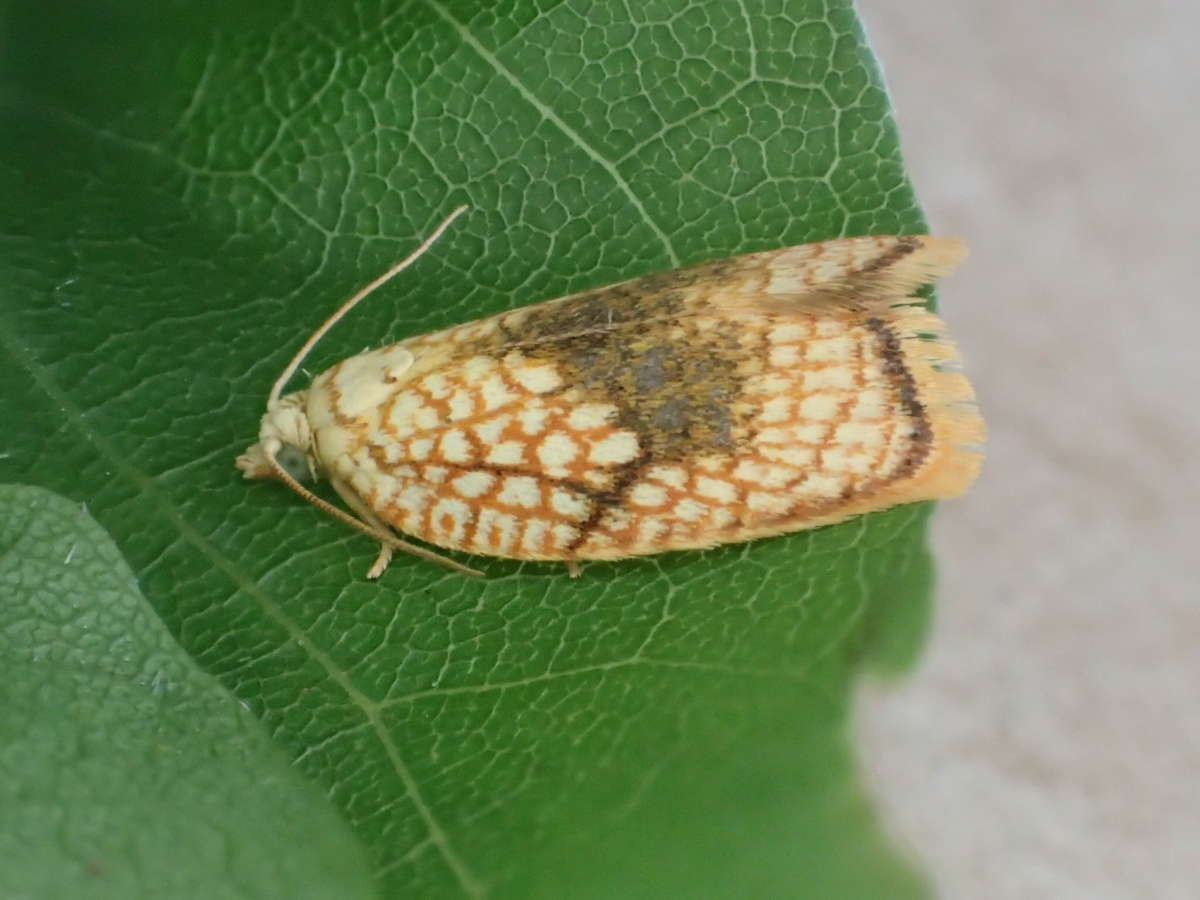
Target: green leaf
{"points": [[124, 770], [187, 190]]}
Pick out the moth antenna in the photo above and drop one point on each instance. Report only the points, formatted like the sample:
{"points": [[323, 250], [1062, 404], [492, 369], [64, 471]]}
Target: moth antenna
{"points": [[367, 290], [271, 447]]}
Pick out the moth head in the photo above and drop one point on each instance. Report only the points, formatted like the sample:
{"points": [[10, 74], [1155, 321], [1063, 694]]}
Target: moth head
{"points": [[284, 434], [285, 440]]}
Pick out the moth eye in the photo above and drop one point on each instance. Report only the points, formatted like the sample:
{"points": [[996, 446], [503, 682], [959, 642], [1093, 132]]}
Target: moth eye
{"points": [[294, 462]]}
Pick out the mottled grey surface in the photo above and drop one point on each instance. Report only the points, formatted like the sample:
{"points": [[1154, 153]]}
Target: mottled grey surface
{"points": [[1049, 743]]}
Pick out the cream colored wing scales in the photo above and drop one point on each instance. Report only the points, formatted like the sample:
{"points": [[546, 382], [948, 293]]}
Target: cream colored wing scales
{"points": [[729, 401], [492, 456]]}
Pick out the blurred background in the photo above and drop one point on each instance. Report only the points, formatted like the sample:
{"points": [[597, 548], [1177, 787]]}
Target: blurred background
{"points": [[1048, 744]]}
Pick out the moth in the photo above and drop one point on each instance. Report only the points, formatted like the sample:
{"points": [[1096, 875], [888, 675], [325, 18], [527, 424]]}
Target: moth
{"points": [[728, 401]]}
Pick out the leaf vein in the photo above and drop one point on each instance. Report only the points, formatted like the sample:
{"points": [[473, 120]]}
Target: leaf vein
{"points": [[552, 117]]}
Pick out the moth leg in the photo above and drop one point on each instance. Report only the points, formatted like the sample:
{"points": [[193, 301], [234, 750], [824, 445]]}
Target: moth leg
{"points": [[573, 569], [371, 520], [364, 512]]}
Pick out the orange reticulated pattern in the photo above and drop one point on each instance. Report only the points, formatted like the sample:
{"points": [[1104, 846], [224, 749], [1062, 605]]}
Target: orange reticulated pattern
{"points": [[824, 424], [500, 454]]}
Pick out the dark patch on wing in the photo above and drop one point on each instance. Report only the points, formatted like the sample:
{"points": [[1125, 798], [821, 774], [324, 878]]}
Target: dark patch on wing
{"points": [[635, 345], [621, 345], [650, 373], [676, 393], [903, 247], [605, 309], [650, 298]]}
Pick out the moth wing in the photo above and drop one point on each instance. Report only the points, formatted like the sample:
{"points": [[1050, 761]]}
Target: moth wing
{"points": [[551, 431], [494, 462], [848, 273]]}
